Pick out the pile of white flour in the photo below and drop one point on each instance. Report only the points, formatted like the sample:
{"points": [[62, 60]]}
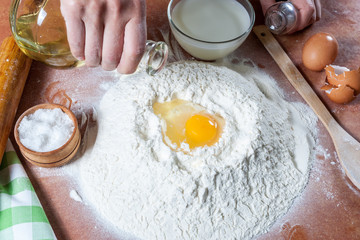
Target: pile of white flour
{"points": [[235, 189]]}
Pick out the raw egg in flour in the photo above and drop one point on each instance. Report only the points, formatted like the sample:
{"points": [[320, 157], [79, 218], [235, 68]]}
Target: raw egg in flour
{"points": [[187, 122]]}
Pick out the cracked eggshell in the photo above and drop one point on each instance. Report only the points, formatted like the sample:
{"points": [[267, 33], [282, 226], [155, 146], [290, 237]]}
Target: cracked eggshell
{"points": [[337, 76], [341, 94], [319, 50]]}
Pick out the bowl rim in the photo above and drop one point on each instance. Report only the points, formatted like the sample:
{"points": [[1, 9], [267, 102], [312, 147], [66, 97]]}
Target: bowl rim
{"points": [[252, 22], [45, 106], [55, 163]]}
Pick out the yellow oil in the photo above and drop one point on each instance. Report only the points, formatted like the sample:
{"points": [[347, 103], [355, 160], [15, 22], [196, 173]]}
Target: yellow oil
{"points": [[41, 34]]}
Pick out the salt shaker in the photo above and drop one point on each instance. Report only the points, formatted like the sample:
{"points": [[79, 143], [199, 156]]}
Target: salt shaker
{"points": [[281, 17]]}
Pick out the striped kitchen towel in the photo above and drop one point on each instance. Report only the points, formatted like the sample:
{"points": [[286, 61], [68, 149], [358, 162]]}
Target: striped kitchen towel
{"points": [[21, 214]]}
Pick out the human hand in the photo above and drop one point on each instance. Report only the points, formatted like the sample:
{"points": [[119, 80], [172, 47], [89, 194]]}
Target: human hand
{"points": [[110, 33], [309, 11]]}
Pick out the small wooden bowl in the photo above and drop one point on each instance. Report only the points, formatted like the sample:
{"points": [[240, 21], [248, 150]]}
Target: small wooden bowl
{"points": [[57, 157]]}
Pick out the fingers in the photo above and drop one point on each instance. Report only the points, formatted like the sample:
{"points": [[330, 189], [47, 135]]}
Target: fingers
{"points": [[318, 9], [265, 4], [75, 28], [94, 27], [113, 37], [134, 39], [307, 13], [84, 29], [134, 46], [110, 33], [125, 37], [112, 45], [76, 38]]}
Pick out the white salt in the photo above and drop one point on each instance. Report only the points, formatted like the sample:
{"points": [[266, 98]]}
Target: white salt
{"points": [[45, 130]]}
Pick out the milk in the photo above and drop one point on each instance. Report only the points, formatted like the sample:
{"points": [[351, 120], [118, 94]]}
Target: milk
{"points": [[210, 21]]}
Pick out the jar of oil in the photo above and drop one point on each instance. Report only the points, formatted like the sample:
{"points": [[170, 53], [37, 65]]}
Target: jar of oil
{"points": [[40, 32]]}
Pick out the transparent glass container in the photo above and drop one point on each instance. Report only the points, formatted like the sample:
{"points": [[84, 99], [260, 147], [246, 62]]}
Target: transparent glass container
{"points": [[281, 17], [39, 30]]}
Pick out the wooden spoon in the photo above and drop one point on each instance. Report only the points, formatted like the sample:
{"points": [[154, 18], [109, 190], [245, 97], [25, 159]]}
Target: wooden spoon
{"points": [[347, 148]]}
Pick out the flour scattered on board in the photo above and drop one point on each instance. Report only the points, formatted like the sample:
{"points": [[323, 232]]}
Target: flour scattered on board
{"points": [[235, 189], [75, 195]]}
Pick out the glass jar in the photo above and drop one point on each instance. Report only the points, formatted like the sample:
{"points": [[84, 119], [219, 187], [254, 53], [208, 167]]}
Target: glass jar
{"points": [[281, 17], [39, 30]]}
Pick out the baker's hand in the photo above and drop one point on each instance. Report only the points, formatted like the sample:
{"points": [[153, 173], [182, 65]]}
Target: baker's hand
{"points": [[110, 33], [309, 11]]}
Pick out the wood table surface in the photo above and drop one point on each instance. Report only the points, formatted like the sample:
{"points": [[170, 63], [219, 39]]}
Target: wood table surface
{"points": [[329, 207]]}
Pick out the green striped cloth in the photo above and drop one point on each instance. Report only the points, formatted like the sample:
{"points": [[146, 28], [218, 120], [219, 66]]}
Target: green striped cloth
{"points": [[21, 214]]}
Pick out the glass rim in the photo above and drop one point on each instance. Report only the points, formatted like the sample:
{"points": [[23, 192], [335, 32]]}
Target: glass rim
{"points": [[252, 22]]}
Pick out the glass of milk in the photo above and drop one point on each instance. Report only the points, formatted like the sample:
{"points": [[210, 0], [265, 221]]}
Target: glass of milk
{"points": [[210, 29]]}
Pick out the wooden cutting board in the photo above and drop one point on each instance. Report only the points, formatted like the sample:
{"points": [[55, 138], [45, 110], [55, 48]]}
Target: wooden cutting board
{"points": [[329, 208]]}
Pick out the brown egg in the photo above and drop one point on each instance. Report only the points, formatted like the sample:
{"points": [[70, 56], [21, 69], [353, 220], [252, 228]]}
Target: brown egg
{"points": [[342, 94], [319, 50], [337, 76]]}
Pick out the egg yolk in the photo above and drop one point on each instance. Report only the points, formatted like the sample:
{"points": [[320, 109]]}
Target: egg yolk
{"points": [[200, 130], [186, 122]]}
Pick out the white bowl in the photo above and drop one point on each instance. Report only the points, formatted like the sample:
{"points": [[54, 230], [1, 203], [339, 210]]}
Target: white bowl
{"points": [[205, 49]]}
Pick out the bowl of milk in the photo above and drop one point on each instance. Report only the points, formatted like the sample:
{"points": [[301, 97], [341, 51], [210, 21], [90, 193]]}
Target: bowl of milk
{"points": [[210, 29]]}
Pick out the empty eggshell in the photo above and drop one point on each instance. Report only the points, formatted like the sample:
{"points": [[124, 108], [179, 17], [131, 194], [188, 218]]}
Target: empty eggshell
{"points": [[319, 50], [337, 76], [342, 94]]}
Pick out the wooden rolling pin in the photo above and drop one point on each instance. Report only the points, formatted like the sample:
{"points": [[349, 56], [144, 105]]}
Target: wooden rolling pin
{"points": [[14, 69]]}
